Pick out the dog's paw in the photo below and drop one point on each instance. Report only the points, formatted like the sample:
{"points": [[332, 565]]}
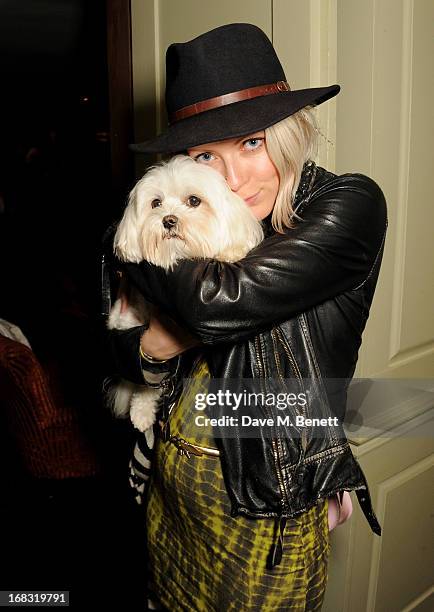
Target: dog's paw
{"points": [[142, 418]]}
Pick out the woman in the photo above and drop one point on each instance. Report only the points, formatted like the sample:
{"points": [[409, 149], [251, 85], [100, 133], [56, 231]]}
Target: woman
{"points": [[241, 522]]}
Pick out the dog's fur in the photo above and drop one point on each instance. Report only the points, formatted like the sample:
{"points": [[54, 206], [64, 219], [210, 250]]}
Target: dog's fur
{"points": [[180, 209]]}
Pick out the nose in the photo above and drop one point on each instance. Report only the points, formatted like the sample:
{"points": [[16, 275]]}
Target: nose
{"points": [[234, 175], [169, 221]]}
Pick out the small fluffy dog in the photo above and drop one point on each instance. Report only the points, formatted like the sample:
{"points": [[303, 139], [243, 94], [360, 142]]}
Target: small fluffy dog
{"points": [[179, 210]]}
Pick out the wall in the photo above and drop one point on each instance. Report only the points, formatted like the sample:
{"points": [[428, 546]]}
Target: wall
{"points": [[381, 124]]}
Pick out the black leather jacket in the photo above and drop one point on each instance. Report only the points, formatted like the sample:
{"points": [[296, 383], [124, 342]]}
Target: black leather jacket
{"points": [[294, 307]]}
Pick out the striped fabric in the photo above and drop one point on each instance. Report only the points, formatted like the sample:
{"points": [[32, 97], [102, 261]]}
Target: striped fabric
{"points": [[141, 463], [200, 558]]}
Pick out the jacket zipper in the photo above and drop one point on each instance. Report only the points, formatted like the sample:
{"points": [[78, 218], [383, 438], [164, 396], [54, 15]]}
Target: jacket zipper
{"points": [[276, 333], [275, 553], [305, 330], [274, 441]]}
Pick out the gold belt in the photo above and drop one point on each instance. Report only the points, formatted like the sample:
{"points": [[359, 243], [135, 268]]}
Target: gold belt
{"points": [[184, 446]]}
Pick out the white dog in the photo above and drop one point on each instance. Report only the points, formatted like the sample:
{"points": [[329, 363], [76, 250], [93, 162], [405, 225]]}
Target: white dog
{"points": [[180, 209]]}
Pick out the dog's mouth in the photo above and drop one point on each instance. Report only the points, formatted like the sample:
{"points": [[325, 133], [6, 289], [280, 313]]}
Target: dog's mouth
{"points": [[170, 234]]}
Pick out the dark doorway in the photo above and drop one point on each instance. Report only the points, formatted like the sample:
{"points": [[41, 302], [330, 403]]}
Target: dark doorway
{"points": [[65, 167], [65, 170]]}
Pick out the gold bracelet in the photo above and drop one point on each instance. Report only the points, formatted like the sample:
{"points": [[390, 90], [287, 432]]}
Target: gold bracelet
{"points": [[149, 358]]}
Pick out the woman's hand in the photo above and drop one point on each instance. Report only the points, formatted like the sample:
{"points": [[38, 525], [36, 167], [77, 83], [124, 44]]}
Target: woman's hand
{"points": [[339, 512], [164, 339]]}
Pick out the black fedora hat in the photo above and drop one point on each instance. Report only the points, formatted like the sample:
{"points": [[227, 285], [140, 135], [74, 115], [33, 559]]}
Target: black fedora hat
{"points": [[226, 83]]}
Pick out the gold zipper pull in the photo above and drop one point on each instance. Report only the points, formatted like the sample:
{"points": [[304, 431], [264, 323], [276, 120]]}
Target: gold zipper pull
{"points": [[194, 451]]}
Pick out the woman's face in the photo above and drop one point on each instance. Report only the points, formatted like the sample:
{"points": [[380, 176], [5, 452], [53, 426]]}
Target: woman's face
{"points": [[247, 168]]}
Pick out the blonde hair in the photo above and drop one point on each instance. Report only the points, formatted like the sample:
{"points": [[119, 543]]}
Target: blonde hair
{"points": [[290, 143]]}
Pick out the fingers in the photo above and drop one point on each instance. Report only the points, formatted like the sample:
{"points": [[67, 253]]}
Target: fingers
{"points": [[168, 325], [165, 339], [123, 292], [124, 302]]}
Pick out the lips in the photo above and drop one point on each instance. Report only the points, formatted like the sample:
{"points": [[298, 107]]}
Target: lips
{"points": [[251, 199]]}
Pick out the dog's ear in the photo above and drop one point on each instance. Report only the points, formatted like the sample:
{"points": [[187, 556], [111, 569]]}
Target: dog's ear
{"points": [[127, 238], [243, 231]]}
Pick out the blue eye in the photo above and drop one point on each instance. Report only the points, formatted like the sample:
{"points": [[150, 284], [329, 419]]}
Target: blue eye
{"points": [[203, 157], [253, 143]]}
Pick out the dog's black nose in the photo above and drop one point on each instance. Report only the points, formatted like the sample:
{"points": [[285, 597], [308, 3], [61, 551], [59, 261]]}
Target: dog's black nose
{"points": [[169, 221]]}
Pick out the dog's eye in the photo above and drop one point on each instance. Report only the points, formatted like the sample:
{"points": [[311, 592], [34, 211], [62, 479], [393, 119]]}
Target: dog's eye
{"points": [[194, 201], [155, 203]]}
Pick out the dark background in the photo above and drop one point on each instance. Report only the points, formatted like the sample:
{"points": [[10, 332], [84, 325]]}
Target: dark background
{"points": [[55, 169], [62, 182]]}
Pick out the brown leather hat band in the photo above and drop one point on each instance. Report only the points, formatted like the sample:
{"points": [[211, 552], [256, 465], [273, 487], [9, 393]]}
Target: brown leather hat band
{"points": [[230, 98]]}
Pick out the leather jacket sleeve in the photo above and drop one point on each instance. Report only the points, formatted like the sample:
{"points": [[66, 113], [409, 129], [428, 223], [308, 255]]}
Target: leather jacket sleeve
{"points": [[332, 249]]}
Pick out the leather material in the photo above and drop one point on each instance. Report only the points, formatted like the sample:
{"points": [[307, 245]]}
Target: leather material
{"points": [[229, 98], [295, 306]]}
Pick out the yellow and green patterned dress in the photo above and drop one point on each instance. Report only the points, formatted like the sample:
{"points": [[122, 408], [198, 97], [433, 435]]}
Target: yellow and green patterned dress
{"points": [[201, 558]]}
